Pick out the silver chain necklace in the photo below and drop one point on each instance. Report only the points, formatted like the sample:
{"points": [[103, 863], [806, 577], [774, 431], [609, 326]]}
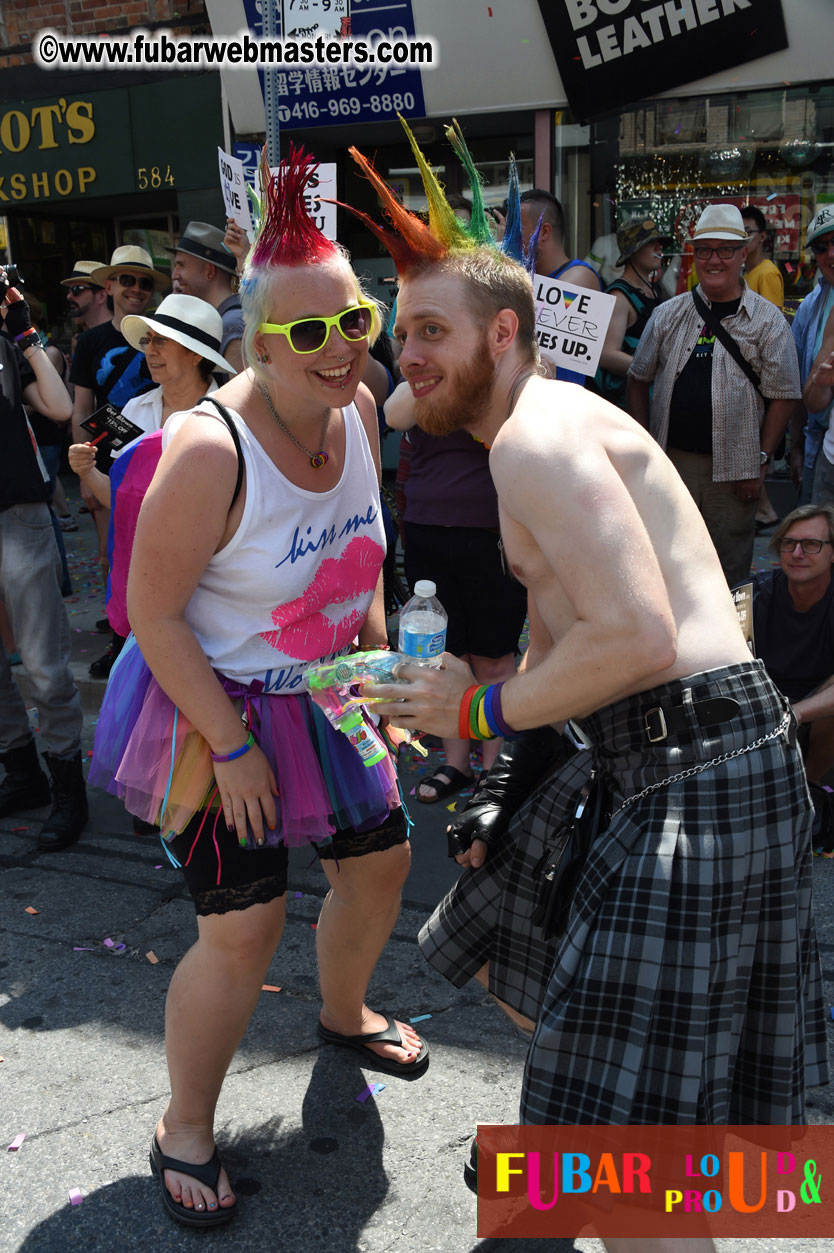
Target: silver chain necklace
{"points": [[317, 459]]}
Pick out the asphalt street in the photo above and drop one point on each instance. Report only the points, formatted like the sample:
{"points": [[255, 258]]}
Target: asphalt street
{"points": [[90, 938]]}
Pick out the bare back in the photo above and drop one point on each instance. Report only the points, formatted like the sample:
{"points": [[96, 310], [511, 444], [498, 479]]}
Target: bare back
{"points": [[623, 578]]}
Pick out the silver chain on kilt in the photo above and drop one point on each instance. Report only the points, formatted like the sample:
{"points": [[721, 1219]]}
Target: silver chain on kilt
{"points": [[781, 729]]}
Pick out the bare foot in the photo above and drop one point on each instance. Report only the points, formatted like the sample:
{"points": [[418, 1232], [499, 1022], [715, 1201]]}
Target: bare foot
{"points": [[196, 1146]]}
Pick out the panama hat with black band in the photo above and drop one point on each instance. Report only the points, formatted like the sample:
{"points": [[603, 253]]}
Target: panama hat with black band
{"points": [[201, 240], [130, 259], [187, 320], [81, 271]]}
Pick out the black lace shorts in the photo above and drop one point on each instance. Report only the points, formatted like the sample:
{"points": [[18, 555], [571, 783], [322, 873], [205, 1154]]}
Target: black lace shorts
{"points": [[229, 877]]}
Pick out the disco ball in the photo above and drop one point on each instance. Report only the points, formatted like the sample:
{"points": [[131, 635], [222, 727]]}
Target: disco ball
{"points": [[728, 164], [797, 153]]}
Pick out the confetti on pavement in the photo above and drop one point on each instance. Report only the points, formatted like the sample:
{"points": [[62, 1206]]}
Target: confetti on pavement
{"points": [[152, 957], [16, 1142], [371, 1090], [75, 1196], [270, 987], [30, 909], [420, 1018]]}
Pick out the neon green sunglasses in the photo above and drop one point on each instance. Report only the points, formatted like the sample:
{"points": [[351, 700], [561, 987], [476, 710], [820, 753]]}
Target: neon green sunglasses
{"points": [[311, 334]]}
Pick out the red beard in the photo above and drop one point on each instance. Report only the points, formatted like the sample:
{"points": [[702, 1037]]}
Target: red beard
{"points": [[468, 396]]}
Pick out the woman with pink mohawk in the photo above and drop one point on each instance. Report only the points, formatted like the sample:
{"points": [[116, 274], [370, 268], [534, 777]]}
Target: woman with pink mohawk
{"points": [[259, 552]]}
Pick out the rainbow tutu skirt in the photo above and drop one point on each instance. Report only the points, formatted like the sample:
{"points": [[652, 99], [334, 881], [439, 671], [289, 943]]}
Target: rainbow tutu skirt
{"points": [[149, 755]]}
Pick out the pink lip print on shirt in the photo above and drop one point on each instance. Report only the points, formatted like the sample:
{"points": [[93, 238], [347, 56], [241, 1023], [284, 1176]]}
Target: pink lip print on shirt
{"points": [[306, 633]]}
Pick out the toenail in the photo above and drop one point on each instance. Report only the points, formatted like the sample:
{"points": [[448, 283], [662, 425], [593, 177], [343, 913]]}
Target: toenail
{"points": [[199, 1207], [212, 1205]]}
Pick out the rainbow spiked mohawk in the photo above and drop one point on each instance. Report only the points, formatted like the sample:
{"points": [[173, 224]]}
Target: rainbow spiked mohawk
{"points": [[412, 243], [287, 235]]}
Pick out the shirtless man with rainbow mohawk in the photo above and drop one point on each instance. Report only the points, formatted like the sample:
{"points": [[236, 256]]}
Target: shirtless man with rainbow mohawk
{"points": [[679, 982]]}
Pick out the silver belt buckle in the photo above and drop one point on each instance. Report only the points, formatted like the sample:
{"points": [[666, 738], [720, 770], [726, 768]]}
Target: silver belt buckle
{"points": [[658, 712]]}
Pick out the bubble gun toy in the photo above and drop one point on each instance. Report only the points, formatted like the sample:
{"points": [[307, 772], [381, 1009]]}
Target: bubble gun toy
{"points": [[329, 684]]}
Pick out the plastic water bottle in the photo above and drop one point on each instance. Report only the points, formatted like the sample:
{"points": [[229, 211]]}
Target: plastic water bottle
{"points": [[423, 623]]}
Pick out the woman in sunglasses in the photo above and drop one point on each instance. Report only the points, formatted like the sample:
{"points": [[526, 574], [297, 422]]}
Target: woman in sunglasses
{"points": [[181, 343], [249, 566]]}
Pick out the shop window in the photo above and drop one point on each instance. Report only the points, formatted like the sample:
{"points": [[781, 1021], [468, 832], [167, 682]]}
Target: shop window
{"points": [[668, 158]]}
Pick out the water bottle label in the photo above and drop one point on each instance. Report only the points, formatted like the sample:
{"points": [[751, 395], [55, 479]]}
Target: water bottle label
{"points": [[422, 646]]}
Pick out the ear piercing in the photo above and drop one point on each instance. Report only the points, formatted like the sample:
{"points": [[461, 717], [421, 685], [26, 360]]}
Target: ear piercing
{"points": [[263, 359]]}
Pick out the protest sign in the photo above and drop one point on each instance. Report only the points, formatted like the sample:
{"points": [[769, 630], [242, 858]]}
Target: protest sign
{"points": [[323, 184], [571, 323], [233, 187]]}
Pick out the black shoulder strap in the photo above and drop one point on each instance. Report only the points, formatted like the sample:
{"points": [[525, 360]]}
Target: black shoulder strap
{"points": [[228, 419], [721, 333]]}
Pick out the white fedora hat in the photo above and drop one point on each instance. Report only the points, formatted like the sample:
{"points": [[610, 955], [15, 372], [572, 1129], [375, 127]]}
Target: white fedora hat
{"points": [[721, 221], [81, 271], [130, 259], [188, 321]]}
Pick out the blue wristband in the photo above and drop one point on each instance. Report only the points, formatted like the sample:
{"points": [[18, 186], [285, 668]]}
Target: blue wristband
{"points": [[250, 743]]}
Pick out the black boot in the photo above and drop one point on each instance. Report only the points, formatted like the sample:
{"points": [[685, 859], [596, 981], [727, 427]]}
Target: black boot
{"points": [[25, 785], [69, 803]]}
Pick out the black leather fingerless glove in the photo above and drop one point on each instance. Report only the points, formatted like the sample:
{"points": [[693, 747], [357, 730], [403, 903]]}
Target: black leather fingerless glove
{"points": [[520, 766], [18, 318]]}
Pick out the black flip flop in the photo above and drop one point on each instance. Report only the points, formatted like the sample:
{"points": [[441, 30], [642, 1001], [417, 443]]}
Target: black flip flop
{"points": [[390, 1035], [207, 1173], [456, 783]]}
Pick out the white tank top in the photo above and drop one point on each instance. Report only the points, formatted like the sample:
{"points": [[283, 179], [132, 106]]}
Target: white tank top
{"points": [[296, 580]]}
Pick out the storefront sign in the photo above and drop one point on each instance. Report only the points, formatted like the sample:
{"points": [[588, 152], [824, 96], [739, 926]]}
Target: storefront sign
{"points": [[307, 19], [571, 323], [108, 143], [326, 95], [613, 52]]}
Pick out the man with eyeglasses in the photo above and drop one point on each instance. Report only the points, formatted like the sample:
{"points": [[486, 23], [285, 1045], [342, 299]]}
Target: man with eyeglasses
{"points": [[725, 383], [87, 303], [807, 328], [106, 369], [793, 625]]}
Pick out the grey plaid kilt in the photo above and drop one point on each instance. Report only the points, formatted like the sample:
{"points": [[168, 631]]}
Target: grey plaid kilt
{"points": [[687, 985]]}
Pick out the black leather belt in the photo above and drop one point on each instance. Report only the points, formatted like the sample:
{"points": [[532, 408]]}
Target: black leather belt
{"points": [[660, 723]]}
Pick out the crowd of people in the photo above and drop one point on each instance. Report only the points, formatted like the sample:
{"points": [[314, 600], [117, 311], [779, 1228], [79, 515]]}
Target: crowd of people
{"points": [[642, 819]]}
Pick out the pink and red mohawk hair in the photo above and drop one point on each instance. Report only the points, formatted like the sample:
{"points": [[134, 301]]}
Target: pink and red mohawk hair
{"points": [[288, 235]]}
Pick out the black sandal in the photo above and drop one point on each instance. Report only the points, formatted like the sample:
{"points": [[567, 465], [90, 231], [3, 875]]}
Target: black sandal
{"points": [[207, 1173], [455, 783], [389, 1035]]}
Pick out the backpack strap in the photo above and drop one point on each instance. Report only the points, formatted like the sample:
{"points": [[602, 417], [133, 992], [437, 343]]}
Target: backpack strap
{"points": [[229, 420]]}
